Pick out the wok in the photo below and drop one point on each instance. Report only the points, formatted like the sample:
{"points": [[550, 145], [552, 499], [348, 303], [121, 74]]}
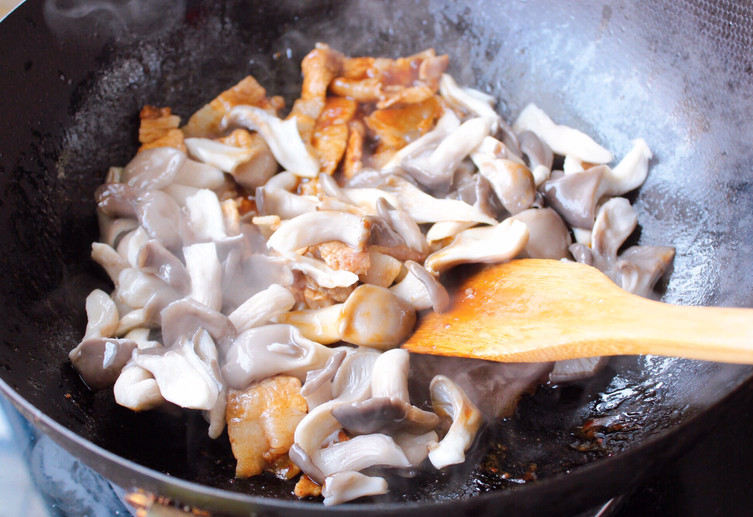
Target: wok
{"points": [[675, 73]]}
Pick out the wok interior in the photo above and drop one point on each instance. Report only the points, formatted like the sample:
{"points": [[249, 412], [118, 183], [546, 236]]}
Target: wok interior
{"points": [[665, 72]]}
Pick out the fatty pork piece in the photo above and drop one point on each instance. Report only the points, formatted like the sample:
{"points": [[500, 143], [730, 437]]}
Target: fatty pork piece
{"points": [[261, 422]]}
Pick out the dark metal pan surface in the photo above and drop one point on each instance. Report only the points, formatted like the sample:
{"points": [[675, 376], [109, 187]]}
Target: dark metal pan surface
{"points": [[674, 73]]}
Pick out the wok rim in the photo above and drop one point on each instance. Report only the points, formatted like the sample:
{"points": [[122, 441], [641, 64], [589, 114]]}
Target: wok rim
{"points": [[69, 439]]}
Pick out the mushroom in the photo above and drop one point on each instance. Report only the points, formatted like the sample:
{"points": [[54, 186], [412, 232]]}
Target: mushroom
{"points": [[384, 415], [136, 288], [436, 170], [574, 196], [548, 235], [316, 227], [250, 166], [489, 244], [512, 182], [185, 316], [182, 376], [562, 140], [347, 486], [282, 137], [157, 260], [99, 360], [112, 230], [540, 156], [470, 100], [262, 352], [137, 389], [371, 316], [205, 272], [447, 123], [205, 216], [403, 225], [449, 400], [320, 272], [631, 172], [421, 289], [102, 315], [262, 307], [153, 168], [425, 208], [476, 190], [360, 452], [416, 446], [352, 382], [162, 218], [383, 271], [582, 253], [117, 199], [614, 224], [446, 229], [640, 267], [317, 389], [130, 246], [280, 202]]}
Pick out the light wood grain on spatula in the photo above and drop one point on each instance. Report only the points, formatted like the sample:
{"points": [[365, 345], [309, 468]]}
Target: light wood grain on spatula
{"points": [[545, 310]]}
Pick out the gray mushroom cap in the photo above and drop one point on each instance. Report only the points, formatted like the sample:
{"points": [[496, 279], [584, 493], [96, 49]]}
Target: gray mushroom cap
{"points": [[640, 267], [574, 196], [154, 258], [99, 360], [548, 237], [117, 199], [384, 415]]}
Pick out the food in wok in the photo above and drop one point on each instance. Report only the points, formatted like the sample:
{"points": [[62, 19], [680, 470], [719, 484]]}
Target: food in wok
{"points": [[266, 269]]}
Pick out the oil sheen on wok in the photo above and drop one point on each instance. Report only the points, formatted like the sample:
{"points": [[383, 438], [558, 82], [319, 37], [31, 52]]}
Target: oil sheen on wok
{"points": [[268, 263]]}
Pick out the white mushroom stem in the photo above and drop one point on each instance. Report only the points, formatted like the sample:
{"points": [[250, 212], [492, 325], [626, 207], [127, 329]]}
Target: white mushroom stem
{"points": [[130, 246], [458, 144], [469, 100], [205, 271], [110, 260], [137, 389], [416, 446], [630, 173], [421, 289], [347, 486], [448, 399], [205, 216], [317, 227], [102, 315], [446, 229], [282, 137], [360, 452], [366, 198], [447, 123], [562, 140], [262, 307], [490, 244], [390, 377], [572, 164], [224, 157], [425, 208]]}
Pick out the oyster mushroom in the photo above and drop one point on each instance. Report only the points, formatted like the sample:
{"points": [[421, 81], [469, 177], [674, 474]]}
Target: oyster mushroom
{"points": [[640, 267], [512, 182], [425, 208], [185, 316], [117, 199], [361, 452], [262, 307], [347, 486], [316, 227], [162, 218], [575, 196], [157, 260], [282, 137], [631, 172], [262, 352], [449, 400], [205, 216], [548, 235], [447, 123], [280, 202], [614, 224], [489, 244], [371, 316], [102, 315], [403, 225], [416, 446], [421, 289], [470, 100], [137, 389], [205, 271], [317, 389], [182, 376], [99, 360], [540, 156], [250, 166], [320, 272], [562, 140]]}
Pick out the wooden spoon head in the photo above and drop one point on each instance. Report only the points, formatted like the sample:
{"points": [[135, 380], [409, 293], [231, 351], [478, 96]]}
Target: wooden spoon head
{"points": [[527, 310]]}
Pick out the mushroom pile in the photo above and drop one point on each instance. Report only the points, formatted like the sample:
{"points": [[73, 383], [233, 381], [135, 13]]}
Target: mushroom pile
{"points": [[266, 269]]}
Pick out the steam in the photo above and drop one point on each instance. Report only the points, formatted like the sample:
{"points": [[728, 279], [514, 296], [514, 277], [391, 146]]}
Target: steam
{"points": [[105, 19]]}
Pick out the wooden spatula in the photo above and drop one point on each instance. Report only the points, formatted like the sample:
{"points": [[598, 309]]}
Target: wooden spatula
{"points": [[546, 310]]}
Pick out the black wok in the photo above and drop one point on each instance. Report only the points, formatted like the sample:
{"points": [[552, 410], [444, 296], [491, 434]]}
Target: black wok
{"points": [[675, 73]]}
